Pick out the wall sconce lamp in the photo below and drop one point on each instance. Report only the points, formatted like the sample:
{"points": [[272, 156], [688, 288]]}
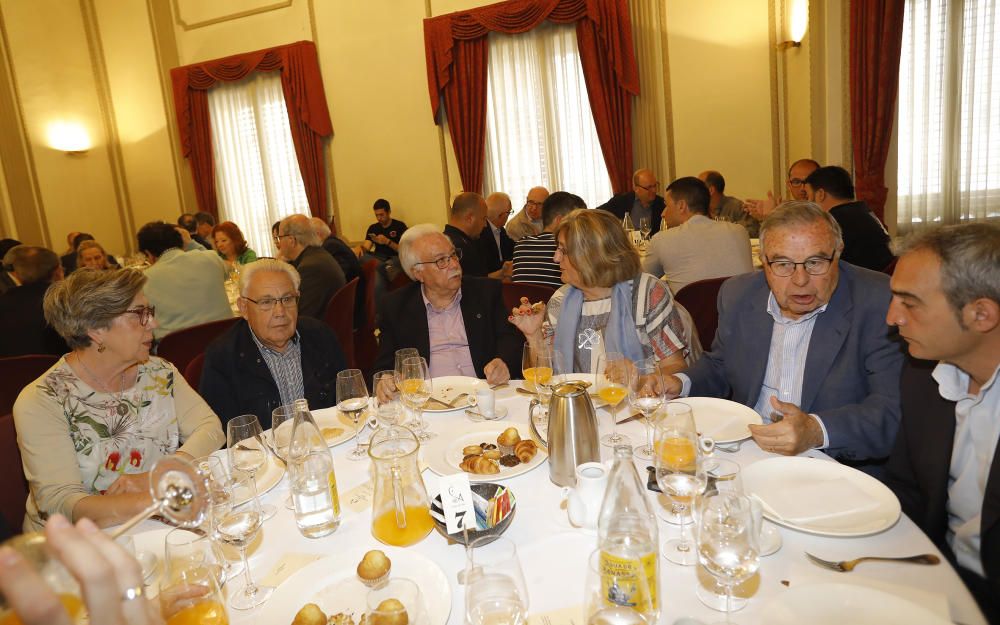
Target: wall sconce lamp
{"points": [[797, 23], [69, 137]]}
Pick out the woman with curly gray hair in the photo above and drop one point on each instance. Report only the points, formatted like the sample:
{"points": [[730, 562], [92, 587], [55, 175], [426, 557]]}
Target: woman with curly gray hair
{"points": [[90, 428]]}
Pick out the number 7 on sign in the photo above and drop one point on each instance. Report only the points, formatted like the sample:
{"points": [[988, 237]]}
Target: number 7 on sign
{"points": [[456, 500]]}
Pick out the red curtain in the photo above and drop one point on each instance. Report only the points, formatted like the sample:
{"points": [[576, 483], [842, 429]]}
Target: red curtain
{"points": [[308, 116], [876, 39], [456, 49]]}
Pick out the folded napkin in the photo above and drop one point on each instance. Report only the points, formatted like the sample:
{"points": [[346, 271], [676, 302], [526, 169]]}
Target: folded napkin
{"points": [[818, 501], [719, 422]]}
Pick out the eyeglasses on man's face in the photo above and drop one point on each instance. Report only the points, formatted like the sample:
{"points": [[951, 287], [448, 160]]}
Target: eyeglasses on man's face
{"points": [[444, 261], [278, 237], [268, 303], [145, 313], [814, 266], [796, 182], [649, 187]]}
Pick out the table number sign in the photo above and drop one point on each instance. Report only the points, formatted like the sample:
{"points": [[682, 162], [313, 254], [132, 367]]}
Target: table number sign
{"points": [[456, 499]]}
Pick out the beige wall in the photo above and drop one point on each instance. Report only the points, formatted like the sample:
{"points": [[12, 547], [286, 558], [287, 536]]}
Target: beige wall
{"points": [[105, 63]]}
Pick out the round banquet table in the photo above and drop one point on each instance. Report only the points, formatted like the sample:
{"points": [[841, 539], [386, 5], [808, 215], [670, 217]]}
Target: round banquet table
{"points": [[553, 553]]}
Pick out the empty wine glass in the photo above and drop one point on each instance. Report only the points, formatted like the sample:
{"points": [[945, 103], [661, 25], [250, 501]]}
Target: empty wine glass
{"points": [[385, 393], [247, 449], [495, 591], [416, 387], [612, 378], [646, 393], [189, 591], [727, 540], [188, 548], [237, 521], [610, 594], [352, 399], [645, 227], [282, 419], [680, 473]]}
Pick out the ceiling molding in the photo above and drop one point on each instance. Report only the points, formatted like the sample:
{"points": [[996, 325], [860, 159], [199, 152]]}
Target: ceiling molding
{"points": [[184, 24]]}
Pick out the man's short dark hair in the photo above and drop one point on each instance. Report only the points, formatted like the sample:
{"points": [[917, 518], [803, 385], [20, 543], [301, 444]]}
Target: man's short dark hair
{"points": [[715, 179], [80, 238], [5, 246], [834, 180], [464, 203], [383, 204], [204, 218], [157, 237], [560, 204], [34, 264], [692, 191], [188, 222]]}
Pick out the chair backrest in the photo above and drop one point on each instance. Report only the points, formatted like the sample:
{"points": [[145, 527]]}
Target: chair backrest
{"points": [[891, 267], [514, 291], [16, 373], [699, 298], [182, 346], [365, 345], [192, 372], [339, 316], [13, 486]]}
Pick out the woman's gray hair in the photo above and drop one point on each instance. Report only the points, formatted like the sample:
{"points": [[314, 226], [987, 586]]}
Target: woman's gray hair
{"points": [[298, 226], [407, 255], [970, 260], [90, 300], [799, 213], [248, 270]]}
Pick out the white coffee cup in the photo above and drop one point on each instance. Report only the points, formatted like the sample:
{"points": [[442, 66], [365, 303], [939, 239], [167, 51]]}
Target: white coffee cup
{"points": [[486, 401]]}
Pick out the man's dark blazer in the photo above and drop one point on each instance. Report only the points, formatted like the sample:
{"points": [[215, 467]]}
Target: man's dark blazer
{"points": [[493, 257], [6, 281], [851, 377], [23, 329], [490, 335], [623, 203], [321, 278], [235, 379], [866, 243], [918, 472]]}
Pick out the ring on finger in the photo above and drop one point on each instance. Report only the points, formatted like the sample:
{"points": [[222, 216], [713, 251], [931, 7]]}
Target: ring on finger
{"points": [[135, 592]]}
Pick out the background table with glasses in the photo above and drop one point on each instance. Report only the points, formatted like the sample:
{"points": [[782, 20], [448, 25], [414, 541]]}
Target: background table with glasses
{"points": [[554, 554]]}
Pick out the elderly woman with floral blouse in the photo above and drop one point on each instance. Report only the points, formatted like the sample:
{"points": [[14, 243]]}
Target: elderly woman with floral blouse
{"points": [[90, 428]]}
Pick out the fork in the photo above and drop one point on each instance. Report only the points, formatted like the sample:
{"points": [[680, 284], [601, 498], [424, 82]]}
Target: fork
{"points": [[846, 566]]}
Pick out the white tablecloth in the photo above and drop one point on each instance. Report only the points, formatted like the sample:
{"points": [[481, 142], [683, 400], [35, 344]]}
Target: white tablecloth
{"points": [[554, 554]]}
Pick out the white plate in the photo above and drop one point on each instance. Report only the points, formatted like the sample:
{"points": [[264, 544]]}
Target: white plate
{"points": [[775, 475], [333, 418], [333, 585], [447, 388], [720, 419], [443, 454], [836, 604], [267, 477]]}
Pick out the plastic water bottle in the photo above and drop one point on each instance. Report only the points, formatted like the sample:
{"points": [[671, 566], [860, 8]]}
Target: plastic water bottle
{"points": [[628, 539], [314, 483]]}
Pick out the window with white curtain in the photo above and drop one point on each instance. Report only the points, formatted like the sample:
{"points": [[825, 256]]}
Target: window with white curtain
{"points": [[256, 172], [949, 112], [539, 128]]}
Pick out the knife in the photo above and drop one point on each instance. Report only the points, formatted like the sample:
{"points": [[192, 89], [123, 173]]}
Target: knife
{"points": [[637, 415]]}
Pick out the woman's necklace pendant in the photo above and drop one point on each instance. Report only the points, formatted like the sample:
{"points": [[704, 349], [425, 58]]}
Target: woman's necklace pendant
{"points": [[122, 409]]}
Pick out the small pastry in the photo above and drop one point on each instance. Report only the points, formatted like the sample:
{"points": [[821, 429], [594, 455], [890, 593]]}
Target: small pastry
{"points": [[472, 450], [341, 618], [485, 466], [507, 440], [374, 568], [492, 454], [525, 450], [310, 614], [487, 446], [510, 460], [389, 612]]}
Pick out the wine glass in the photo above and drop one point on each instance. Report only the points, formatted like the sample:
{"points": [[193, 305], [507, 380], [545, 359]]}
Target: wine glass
{"points": [[402, 590], [495, 591], [282, 419], [612, 593], [189, 591], [680, 473], [727, 540], [386, 398], [646, 393], [416, 387], [217, 476], [237, 522], [352, 399], [247, 449], [187, 548], [414, 418], [645, 227], [612, 377]]}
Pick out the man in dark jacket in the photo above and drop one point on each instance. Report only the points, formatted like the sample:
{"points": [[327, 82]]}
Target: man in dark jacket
{"points": [[321, 275], [641, 201], [274, 356], [23, 329]]}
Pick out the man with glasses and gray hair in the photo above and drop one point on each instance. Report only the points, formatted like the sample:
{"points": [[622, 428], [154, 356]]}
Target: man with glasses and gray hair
{"points": [[804, 343], [459, 324], [643, 201], [273, 356], [321, 275]]}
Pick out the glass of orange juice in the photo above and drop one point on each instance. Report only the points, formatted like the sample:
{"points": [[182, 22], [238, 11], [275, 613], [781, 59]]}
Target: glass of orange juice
{"points": [[32, 547], [680, 473], [612, 387], [190, 595]]}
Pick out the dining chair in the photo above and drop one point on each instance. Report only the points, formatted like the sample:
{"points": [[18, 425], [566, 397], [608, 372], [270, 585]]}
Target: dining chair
{"points": [[192, 372], [339, 316], [17, 372], [13, 486], [514, 291], [365, 344], [180, 347], [699, 298]]}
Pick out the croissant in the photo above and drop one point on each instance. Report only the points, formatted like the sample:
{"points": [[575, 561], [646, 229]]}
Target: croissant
{"points": [[525, 450]]}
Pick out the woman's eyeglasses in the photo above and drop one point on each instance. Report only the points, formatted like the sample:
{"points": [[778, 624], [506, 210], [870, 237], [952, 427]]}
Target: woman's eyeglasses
{"points": [[145, 313]]}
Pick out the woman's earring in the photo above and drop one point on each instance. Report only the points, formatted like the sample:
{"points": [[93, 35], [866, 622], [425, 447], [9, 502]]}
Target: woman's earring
{"points": [[101, 348]]}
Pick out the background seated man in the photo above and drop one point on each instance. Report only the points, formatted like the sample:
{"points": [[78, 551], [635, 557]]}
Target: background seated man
{"points": [[321, 275], [495, 244], [528, 221], [726, 207], [273, 356], [806, 339], [534, 257], [23, 329], [459, 324], [946, 304], [641, 201]]}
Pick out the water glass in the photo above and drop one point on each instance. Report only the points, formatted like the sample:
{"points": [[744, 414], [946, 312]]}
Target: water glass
{"points": [[247, 449], [352, 399], [387, 401], [646, 393], [186, 548], [237, 521], [402, 590], [727, 540], [282, 419], [495, 590]]}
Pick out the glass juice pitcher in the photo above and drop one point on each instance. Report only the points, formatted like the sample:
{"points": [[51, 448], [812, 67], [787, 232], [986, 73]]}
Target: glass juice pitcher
{"points": [[401, 512]]}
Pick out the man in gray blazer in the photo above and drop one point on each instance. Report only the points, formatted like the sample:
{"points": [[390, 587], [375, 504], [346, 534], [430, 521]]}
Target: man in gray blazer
{"points": [[804, 343]]}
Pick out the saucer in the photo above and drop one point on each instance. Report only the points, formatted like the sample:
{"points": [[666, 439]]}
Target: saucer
{"points": [[473, 413]]}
